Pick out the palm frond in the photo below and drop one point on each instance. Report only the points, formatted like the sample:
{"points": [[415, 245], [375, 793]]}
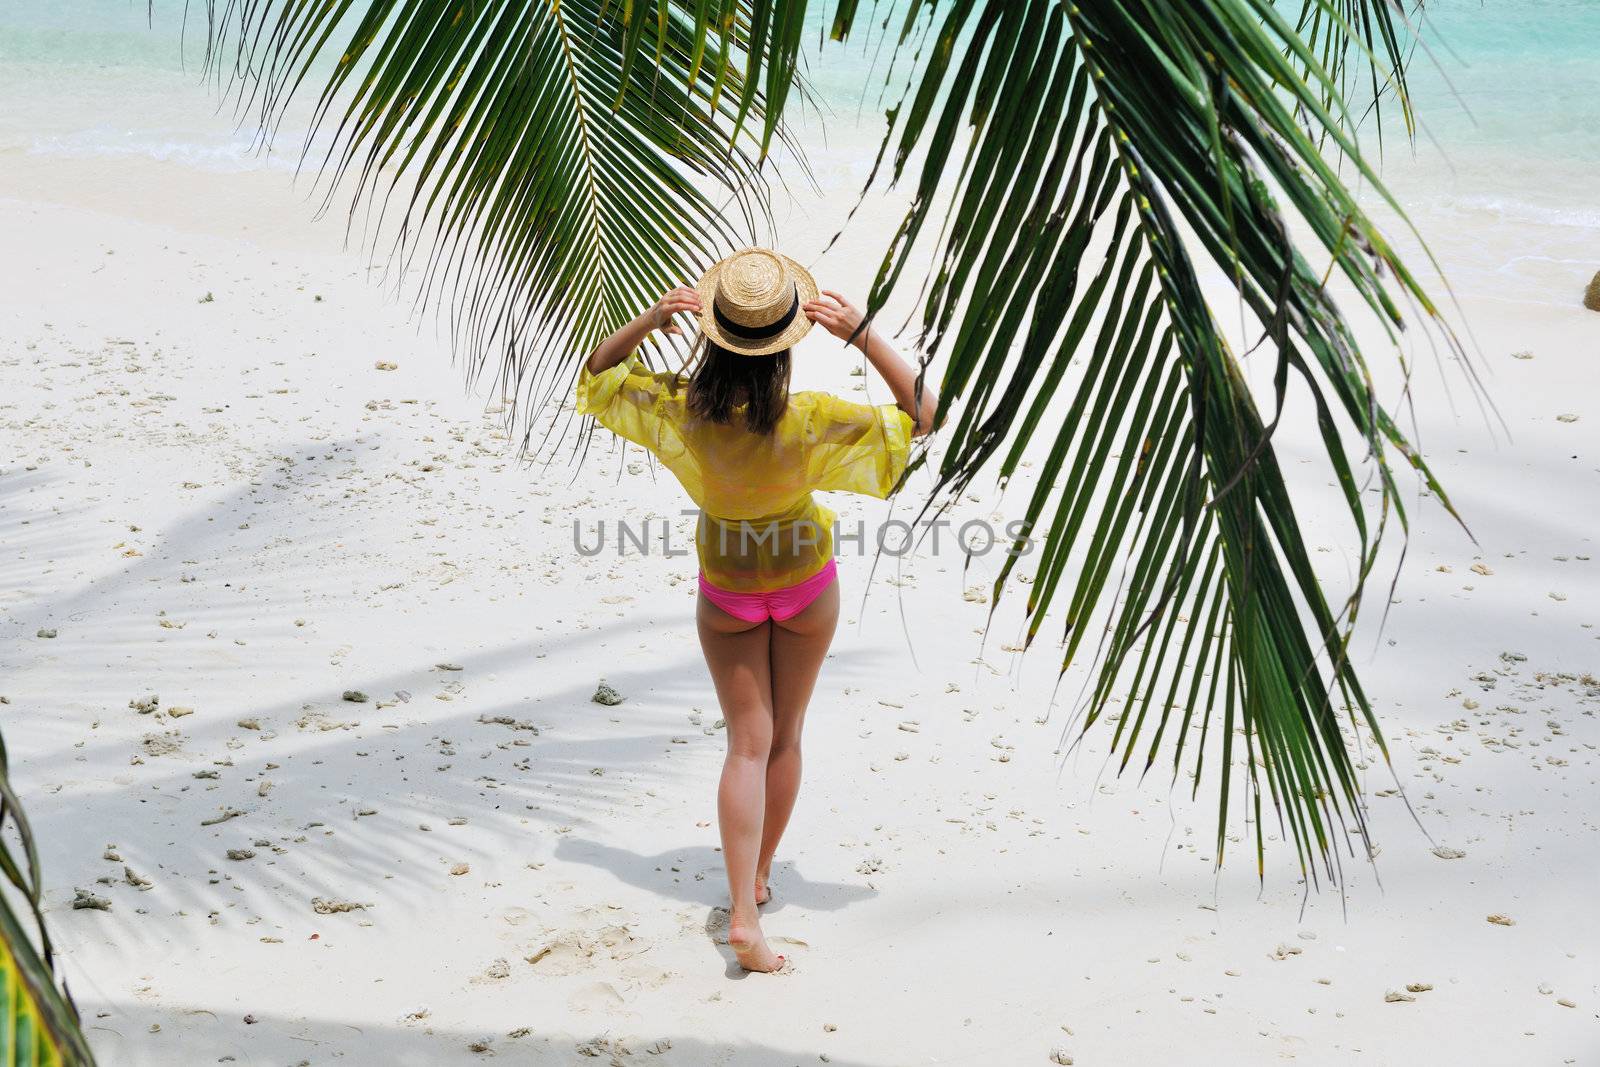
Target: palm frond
{"points": [[551, 167], [1109, 144], [38, 1024]]}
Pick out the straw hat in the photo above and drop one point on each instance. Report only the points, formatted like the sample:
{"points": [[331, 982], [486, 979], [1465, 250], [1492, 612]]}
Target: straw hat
{"points": [[750, 302]]}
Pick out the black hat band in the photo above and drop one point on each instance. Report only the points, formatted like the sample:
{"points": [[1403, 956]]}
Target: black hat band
{"points": [[758, 333]]}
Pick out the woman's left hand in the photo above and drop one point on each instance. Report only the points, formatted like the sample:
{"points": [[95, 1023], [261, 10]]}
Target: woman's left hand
{"points": [[837, 315]]}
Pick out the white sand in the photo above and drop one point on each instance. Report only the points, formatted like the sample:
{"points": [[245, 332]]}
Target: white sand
{"points": [[227, 505]]}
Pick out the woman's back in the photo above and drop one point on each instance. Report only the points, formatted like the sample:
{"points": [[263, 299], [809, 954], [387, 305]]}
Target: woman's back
{"points": [[755, 488]]}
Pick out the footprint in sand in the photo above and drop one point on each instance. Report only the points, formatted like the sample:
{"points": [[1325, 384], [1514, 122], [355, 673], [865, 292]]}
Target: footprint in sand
{"points": [[575, 952], [596, 996]]}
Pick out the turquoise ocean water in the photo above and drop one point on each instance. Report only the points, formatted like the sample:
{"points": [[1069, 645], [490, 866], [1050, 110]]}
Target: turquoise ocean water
{"points": [[1508, 92], [1501, 182]]}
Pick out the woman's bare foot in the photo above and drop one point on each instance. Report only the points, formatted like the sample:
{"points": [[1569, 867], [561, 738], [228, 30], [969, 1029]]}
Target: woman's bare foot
{"points": [[751, 947], [763, 891]]}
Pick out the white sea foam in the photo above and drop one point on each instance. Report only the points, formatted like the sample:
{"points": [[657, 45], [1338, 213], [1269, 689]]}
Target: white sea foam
{"points": [[184, 148], [1510, 209]]}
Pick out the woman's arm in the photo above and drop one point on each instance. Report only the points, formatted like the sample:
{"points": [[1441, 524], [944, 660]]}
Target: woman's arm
{"points": [[843, 319], [626, 341]]}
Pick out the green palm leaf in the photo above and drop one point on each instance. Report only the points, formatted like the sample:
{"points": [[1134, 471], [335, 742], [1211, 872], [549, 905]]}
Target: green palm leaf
{"points": [[555, 166], [38, 1024], [1162, 133], [555, 163]]}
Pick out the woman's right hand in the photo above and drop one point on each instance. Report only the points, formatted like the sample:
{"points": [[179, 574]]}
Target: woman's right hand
{"points": [[675, 301]]}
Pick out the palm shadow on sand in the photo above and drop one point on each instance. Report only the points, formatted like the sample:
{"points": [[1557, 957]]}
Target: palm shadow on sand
{"points": [[191, 1035]]}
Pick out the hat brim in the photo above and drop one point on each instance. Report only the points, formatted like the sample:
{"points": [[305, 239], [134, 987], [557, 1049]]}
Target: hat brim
{"points": [[806, 288]]}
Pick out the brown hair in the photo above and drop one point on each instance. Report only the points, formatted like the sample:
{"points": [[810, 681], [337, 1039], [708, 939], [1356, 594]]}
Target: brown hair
{"points": [[722, 380]]}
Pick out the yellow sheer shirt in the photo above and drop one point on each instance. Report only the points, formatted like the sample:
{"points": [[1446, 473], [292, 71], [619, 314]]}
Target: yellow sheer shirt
{"points": [[760, 528]]}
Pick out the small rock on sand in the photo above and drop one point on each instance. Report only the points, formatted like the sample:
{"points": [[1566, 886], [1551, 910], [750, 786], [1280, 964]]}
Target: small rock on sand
{"points": [[1501, 920], [606, 695], [355, 696], [155, 745], [1591, 295], [335, 907], [506, 720], [84, 900], [47, 632]]}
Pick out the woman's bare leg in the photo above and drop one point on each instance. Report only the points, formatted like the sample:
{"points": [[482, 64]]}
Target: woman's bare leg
{"points": [[799, 644], [737, 655]]}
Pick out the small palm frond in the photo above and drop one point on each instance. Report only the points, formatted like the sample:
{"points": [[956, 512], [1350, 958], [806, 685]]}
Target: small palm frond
{"points": [[1108, 145], [551, 168], [38, 1024], [1346, 50]]}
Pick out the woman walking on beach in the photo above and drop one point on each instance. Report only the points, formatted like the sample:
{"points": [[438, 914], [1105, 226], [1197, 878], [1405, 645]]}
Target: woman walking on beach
{"points": [[750, 453]]}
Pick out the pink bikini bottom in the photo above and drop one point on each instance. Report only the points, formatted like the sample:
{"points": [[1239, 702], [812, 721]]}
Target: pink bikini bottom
{"points": [[776, 604]]}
